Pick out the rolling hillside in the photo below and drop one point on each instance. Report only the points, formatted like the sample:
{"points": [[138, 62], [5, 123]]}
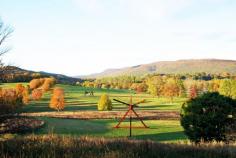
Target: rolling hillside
{"points": [[173, 67], [20, 75]]}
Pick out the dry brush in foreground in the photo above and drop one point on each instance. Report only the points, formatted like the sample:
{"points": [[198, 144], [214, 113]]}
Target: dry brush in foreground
{"points": [[61, 146]]}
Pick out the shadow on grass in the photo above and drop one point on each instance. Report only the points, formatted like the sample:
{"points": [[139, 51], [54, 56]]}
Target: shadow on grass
{"points": [[80, 107], [168, 136], [74, 126], [45, 108]]}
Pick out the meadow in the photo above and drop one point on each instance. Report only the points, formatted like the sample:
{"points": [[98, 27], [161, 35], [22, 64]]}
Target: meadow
{"points": [[163, 129], [80, 130]]}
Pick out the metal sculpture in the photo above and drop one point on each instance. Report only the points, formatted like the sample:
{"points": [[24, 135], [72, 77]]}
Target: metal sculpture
{"points": [[129, 112]]}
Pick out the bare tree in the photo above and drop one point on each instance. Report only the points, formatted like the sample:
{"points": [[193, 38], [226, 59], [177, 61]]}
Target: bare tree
{"points": [[5, 32]]}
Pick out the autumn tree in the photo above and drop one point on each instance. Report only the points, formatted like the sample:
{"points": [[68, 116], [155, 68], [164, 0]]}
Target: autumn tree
{"points": [[37, 94], [104, 103], [155, 85], [9, 100], [214, 85], [35, 83], [57, 100], [139, 87], [48, 84], [193, 92], [23, 92], [228, 88], [171, 88], [25, 95], [181, 88], [20, 89]]}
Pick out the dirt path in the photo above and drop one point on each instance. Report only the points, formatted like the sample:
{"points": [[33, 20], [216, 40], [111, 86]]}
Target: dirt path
{"points": [[149, 115]]}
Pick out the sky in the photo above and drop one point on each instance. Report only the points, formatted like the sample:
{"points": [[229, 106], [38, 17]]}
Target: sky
{"points": [[79, 37]]}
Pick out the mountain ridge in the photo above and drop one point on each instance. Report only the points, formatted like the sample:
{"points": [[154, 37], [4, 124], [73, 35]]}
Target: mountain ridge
{"points": [[16, 71], [182, 66]]}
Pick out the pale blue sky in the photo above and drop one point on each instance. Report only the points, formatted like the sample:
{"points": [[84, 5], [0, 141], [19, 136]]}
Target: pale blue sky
{"points": [[77, 37]]}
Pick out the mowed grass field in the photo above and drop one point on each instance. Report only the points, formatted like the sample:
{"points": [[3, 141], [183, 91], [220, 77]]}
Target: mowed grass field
{"points": [[160, 130]]}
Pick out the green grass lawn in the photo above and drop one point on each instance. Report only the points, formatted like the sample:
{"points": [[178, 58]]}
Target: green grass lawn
{"points": [[76, 101], [160, 130]]}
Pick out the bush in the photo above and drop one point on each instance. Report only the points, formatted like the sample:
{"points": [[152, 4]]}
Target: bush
{"points": [[57, 100], [104, 103], [207, 117]]}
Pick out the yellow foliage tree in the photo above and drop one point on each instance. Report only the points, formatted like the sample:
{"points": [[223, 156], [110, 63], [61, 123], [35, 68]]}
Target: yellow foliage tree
{"points": [[57, 100], [104, 103]]}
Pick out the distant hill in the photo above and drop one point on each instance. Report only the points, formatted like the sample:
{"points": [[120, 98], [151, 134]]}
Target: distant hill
{"points": [[20, 75], [173, 67]]}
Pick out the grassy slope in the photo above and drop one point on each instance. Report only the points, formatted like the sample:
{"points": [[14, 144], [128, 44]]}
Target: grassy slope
{"points": [[76, 101]]}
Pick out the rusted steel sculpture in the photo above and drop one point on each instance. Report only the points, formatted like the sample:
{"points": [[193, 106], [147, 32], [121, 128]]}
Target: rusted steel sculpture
{"points": [[129, 113]]}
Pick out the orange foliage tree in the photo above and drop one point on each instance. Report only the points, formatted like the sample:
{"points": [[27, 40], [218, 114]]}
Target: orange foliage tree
{"points": [[9, 100], [37, 94], [23, 92], [171, 88], [48, 84], [25, 96], [35, 83], [193, 92], [20, 89], [57, 100]]}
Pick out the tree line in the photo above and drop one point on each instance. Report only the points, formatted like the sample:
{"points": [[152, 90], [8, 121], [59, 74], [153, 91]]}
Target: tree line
{"points": [[170, 85]]}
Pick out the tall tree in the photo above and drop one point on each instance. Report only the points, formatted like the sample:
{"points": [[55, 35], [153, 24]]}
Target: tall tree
{"points": [[225, 87], [155, 85], [171, 88], [5, 32], [228, 88]]}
